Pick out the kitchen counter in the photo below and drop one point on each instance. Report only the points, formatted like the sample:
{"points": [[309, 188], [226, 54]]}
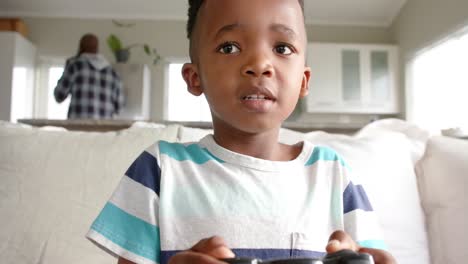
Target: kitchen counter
{"points": [[112, 125]]}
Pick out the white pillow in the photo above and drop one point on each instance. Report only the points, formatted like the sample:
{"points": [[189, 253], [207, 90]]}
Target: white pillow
{"points": [[54, 183], [4, 124], [382, 162], [417, 136], [443, 181], [290, 137], [191, 134]]}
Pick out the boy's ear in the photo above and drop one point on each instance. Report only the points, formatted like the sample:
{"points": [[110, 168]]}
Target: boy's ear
{"points": [[191, 77], [305, 82]]}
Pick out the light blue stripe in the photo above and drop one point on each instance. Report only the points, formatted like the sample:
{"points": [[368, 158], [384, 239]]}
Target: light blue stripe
{"points": [[378, 244], [191, 152], [324, 154], [129, 232]]}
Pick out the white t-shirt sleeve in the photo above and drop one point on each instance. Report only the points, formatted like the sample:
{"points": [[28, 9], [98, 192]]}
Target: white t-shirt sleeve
{"points": [[128, 225], [360, 220]]}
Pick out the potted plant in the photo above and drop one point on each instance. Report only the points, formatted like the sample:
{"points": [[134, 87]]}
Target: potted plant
{"points": [[122, 53]]}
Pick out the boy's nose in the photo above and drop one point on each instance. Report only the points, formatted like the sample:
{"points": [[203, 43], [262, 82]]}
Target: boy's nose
{"points": [[258, 65]]}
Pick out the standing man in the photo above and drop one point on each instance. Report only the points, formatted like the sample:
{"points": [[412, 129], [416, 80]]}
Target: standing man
{"points": [[95, 88]]}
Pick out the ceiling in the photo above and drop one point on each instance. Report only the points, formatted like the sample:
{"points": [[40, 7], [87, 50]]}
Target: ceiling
{"points": [[378, 13]]}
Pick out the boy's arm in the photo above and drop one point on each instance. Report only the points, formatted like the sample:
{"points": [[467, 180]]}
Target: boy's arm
{"points": [[124, 261], [340, 240], [128, 225], [118, 97], [206, 251]]}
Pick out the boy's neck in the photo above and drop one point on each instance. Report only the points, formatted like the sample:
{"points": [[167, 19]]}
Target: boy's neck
{"points": [[262, 145]]}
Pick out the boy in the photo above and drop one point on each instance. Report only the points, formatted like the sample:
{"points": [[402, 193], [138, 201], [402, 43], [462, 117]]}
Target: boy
{"points": [[239, 192]]}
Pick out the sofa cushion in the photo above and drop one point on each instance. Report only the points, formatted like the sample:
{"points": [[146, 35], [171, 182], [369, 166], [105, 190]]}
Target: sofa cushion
{"points": [[443, 181], [382, 162], [417, 136], [61, 180], [53, 183], [192, 134]]}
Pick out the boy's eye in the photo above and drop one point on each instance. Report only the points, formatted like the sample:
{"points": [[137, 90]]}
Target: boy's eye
{"points": [[283, 49], [228, 48]]}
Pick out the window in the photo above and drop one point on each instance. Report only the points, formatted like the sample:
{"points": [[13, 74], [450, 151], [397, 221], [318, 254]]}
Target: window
{"points": [[182, 105], [439, 86], [49, 72], [22, 93], [54, 109], [19, 102]]}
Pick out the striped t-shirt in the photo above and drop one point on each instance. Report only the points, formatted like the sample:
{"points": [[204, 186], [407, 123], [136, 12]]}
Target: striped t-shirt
{"points": [[174, 195]]}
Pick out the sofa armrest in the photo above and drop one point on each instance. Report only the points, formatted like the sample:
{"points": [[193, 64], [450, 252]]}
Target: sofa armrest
{"points": [[443, 180]]}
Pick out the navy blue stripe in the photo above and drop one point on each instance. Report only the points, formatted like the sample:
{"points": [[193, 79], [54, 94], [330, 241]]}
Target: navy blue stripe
{"points": [[145, 170], [354, 197], [264, 254]]}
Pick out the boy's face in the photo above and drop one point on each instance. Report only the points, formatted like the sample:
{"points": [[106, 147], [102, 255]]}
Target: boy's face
{"points": [[249, 61]]}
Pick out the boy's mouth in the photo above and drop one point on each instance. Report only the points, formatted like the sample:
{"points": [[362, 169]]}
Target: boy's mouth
{"points": [[258, 93], [257, 97], [258, 101]]}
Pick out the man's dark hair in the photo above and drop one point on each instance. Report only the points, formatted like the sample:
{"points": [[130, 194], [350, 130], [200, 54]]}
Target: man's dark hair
{"points": [[194, 7], [89, 43]]}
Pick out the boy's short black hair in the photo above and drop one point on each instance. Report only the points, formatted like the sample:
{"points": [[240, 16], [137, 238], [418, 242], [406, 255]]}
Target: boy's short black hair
{"points": [[194, 6]]}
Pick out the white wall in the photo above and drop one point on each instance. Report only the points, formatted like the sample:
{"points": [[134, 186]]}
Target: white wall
{"points": [[59, 37], [349, 34], [25, 57], [16, 52], [7, 52], [423, 23]]}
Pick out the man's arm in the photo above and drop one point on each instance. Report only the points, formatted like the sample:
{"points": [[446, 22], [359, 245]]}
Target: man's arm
{"points": [[118, 97], [63, 87]]}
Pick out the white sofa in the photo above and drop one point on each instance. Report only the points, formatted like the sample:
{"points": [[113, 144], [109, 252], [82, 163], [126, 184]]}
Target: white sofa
{"points": [[53, 183]]}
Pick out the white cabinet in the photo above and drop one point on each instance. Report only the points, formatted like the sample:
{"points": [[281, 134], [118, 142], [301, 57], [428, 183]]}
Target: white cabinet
{"points": [[352, 78], [17, 73], [136, 80]]}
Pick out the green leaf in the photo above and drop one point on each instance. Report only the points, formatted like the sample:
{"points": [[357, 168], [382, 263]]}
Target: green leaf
{"points": [[147, 49], [114, 43], [121, 24]]}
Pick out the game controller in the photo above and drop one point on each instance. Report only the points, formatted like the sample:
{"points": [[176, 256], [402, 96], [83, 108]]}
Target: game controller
{"points": [[339, 257]]}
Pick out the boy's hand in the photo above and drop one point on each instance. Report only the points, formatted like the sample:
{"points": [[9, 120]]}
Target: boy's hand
{"points": [[206, 251], [340, 240]]}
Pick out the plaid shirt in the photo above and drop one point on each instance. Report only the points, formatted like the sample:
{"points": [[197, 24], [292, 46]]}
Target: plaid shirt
{"points": [[95, 94]]}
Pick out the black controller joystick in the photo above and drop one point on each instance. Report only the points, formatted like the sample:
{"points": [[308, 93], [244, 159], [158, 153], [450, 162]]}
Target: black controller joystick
{"points": [[348, 257], [340, 257]]}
